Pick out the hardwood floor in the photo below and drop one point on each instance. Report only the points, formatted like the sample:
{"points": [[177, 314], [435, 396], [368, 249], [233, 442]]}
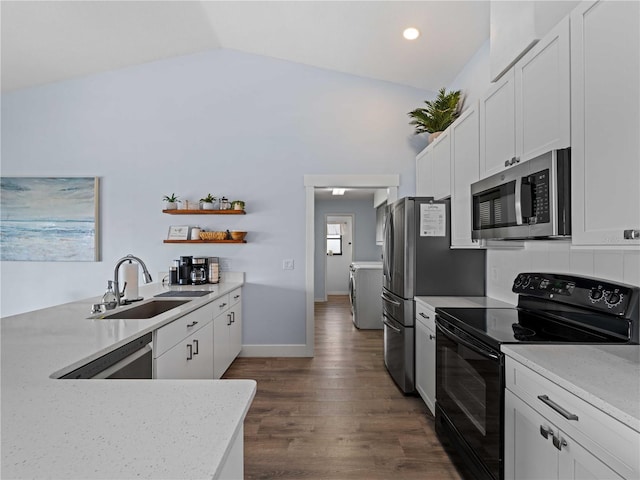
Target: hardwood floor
{"points": [[337, 415]]}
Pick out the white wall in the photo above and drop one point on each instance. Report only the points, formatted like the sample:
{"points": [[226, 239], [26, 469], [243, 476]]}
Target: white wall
{"points": [[225, 122]]}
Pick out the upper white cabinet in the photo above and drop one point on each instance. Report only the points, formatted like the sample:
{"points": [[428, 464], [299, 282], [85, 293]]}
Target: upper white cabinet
{"points": [[465, 169], [515, 27], [424, 173], [527, 112], [442, 166], [605, 94]]}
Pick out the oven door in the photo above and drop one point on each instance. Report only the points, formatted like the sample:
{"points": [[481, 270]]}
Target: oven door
{"points": [[469, 392]]}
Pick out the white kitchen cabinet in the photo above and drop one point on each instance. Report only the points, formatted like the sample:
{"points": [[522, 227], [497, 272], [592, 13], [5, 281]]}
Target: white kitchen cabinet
{"points": [[497, 125], [442, 166], [426, 355], [552, 433], [424, 173], [536, 448], [465, 169], [381, 217], [191, 358], [227, 333], [605, 94], [527, 112]]}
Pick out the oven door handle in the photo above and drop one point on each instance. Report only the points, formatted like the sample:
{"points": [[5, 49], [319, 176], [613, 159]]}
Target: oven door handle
{"points": [[476, 348], [392, 327], [390, 300]]}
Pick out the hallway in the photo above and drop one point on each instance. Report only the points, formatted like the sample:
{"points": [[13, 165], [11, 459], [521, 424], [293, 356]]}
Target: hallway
{"points": [[337, 415]]}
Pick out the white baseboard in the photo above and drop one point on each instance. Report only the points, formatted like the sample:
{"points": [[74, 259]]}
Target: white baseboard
{"points": [[275, 351], [338, 293]]}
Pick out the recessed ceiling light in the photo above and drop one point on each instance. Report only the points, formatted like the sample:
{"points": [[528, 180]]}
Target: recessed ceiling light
{"points": [[338, 191], [411, 33]]}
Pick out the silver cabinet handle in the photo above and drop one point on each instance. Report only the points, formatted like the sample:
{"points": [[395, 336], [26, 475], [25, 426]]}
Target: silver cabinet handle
{"points": [[189, 352], [236, 297], [431, 337], [192, 324], [195, 346], [631, 234], [233, 317], [565, 413], [222, 305], [423, 315], [229, 317], [545, 431], [559, 442]]}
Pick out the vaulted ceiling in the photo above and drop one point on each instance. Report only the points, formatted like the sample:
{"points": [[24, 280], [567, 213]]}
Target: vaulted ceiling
{"points": [[49, 41]]}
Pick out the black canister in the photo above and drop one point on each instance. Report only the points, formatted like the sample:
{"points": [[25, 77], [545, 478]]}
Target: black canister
{"points": [[184, 272], [173, 272]]}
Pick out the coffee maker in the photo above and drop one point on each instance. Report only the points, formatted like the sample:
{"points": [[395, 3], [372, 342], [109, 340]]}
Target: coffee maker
{"points": [[199, 270], [184, 270]]}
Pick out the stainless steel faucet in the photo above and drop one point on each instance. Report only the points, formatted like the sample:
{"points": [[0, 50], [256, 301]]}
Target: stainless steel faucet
{"points": [[128, 258]]}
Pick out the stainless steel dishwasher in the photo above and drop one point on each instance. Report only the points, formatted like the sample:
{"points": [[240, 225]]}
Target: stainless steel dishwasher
{"points": [[133, 360]]}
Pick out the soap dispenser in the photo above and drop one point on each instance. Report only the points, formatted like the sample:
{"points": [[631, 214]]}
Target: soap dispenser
{"points": [[109, 298]]}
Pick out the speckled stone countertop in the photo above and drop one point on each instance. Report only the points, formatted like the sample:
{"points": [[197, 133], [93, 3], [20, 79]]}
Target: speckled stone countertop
{"points": [[116, 429], [462, 302], [606, 376]]}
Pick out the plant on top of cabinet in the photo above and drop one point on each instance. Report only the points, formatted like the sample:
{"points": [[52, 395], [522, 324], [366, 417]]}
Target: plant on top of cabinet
{"points": [[206, 203], [439, 113], [237, 205], [171, 201]]}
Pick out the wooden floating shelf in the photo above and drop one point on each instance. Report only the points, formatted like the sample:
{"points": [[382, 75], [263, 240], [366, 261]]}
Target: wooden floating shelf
{"points": [[205, 241], [204, 212]]}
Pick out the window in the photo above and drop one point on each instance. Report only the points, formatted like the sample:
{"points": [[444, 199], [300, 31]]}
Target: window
{"points": [[334, 239]]}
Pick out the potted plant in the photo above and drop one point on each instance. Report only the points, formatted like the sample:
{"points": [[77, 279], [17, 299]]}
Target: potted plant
{"points": [[171, 202], [237, 205], [439, 113], [206, 203]]}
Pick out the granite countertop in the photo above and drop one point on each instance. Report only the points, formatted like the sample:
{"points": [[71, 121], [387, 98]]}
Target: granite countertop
{"points": [[606, 376], [109, 428], [462, 302]]}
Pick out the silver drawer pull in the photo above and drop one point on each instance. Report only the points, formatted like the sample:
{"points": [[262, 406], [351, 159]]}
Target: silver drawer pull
{"points": [[236, 297], [566, 414], [189, 352], [222, 305], [431, 337], [423, 315], [559, 442], [195, 345], [545, 431], [631, 234], [192, 324]]}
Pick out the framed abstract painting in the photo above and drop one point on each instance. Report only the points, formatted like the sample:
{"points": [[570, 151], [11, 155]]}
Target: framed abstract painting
{"points": [[49, 219]]}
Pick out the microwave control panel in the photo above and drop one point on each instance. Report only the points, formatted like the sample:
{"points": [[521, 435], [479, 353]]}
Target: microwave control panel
{"points": [[538, 195]]}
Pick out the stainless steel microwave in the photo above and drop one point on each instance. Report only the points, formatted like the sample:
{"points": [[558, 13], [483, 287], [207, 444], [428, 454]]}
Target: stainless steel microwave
{"points": [[531, 199]]}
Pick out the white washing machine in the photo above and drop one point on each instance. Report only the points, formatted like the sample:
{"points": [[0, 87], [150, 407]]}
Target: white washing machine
{"points": [[365, 289]]}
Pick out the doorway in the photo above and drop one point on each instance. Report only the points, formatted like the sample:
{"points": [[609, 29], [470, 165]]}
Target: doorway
{"points": [[339, 253], [311, 183]]}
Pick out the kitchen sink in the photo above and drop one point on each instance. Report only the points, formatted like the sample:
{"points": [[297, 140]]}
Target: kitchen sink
{"points": [[184, 293], [146, 310]]}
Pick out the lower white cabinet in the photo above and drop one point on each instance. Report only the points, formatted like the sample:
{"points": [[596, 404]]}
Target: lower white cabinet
{"points": [[424, 173], [227, 334], [426, 355], [551, 433], [191, 358]]}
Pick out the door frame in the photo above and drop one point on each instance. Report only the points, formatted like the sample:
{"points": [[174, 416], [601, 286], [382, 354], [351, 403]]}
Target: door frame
{"points": [[326, 220], [390, 181]]}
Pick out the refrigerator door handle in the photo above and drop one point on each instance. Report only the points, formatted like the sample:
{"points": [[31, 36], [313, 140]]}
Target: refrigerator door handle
{"points": [[388, 247], [390, 300], [395, 329]]}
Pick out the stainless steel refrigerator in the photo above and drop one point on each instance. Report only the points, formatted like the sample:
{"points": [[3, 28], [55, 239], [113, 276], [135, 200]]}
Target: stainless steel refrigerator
{"points": [[418, 261]]}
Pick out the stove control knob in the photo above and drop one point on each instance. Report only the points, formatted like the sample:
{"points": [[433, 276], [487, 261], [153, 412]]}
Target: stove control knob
{"points": [[613, 299], [518, 281], [526, 282], [596, 294]]}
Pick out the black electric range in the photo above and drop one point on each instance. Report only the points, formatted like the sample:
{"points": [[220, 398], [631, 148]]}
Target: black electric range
{"points": [[552, 309]]}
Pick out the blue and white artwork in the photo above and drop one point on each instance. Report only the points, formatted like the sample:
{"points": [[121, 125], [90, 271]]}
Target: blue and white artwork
{"points": [[49, 219]]}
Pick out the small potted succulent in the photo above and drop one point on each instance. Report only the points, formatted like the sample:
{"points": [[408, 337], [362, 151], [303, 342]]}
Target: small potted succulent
{"points": [[171, 202], [206, 203], [237, 205]]}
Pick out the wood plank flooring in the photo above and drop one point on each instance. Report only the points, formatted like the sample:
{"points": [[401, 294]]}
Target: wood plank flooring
{"points": [[337, 415]]}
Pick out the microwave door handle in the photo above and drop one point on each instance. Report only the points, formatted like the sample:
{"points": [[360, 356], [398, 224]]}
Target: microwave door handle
{"points": [[518, 200]]}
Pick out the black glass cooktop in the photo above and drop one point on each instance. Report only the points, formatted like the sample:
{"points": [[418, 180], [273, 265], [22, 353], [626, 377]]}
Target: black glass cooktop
{"points": [[514, 325]]}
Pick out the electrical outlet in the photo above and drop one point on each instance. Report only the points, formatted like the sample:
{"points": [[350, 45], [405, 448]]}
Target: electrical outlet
{"points": [[494, 274], [224, 265], [288, 264]]}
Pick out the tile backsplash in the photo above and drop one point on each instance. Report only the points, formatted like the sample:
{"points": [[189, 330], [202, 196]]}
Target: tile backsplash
{"points": [[557, 257]]}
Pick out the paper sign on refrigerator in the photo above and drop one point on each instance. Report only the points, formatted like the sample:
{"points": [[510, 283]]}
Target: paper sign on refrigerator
{"points": [[433, 220]]}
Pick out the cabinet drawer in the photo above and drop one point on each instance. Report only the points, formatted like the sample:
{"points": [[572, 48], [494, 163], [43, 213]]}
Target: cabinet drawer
{"points": [[235, 297], [426, 316], [613, 442], [170, 334], [220, 305]]}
